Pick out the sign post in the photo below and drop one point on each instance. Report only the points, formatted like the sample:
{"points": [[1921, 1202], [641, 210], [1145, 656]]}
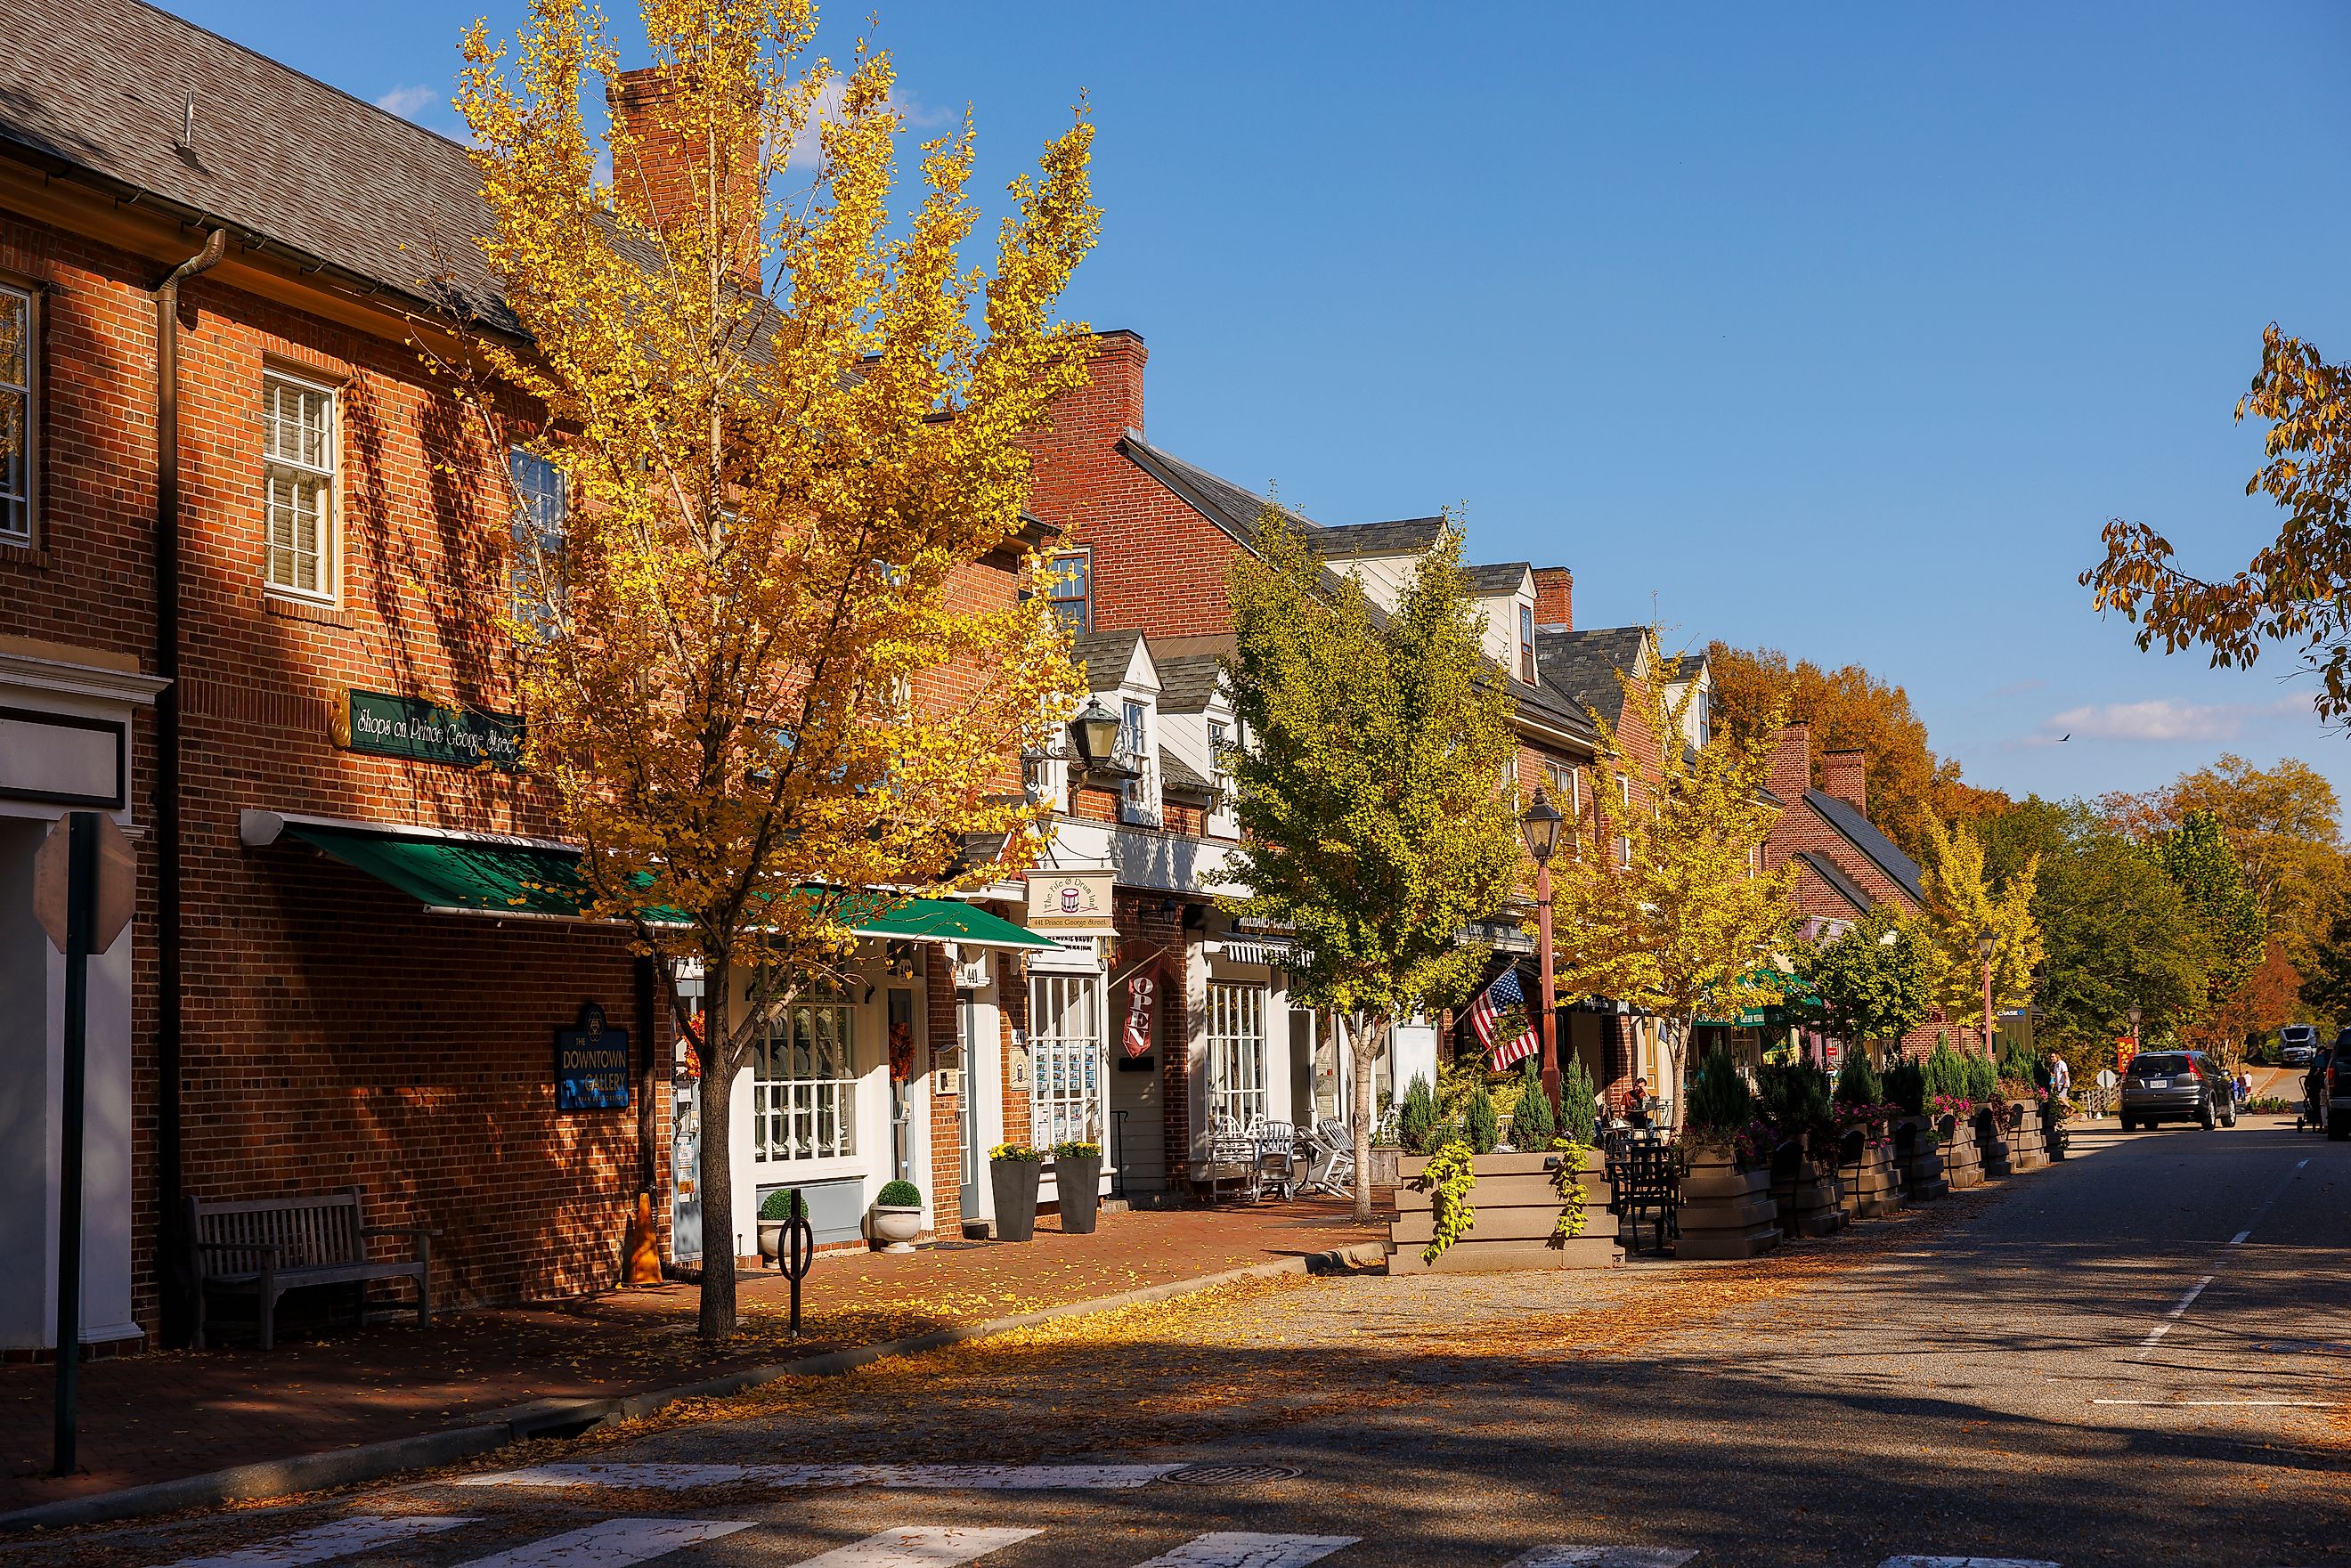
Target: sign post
{"points": [[84, 878]]}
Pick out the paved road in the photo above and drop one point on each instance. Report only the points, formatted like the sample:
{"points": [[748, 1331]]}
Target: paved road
{"points": [[2140, 1357]]}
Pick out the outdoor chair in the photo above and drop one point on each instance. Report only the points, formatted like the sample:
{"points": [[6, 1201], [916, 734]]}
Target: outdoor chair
{"points": [[1648, 1184], [1333, 1166], [1232, 1156], [1277, 1155]]}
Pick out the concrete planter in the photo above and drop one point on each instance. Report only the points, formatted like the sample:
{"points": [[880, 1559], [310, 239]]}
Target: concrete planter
{"points": [[1810, 1200], [1726, 1212], [1919, 1164], [2027, 1145], [895, 1226], [1962, 1156], [1515, 1213], [1383, 1167], [1873, 1188]]}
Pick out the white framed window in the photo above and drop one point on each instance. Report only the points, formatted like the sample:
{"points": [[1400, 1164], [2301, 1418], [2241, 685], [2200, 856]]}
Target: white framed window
{"points": [[1527, 644], [1220, 765], [1237, 1084], [804, 1082], [20, 425], [542, 500], [1065, 1059], [1139, 798], [298, 451], [1567, 794], [1624, 819]]}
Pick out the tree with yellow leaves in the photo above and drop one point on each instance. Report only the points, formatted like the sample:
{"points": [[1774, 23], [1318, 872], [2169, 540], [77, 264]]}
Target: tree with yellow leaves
{"points": [[1962, 904], [788, 423], [1687, 926]]}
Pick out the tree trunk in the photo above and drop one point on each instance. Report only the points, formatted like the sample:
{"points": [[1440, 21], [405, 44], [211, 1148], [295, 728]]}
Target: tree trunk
{"points": [[1363, 1055], [717, 1154], [1676, 1035]]}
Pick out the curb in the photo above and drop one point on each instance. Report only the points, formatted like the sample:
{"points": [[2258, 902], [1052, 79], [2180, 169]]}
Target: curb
{"points": [[569, 1417]]}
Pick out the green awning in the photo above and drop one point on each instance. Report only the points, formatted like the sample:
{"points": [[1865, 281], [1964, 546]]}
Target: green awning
{"points": [[485, 877]]}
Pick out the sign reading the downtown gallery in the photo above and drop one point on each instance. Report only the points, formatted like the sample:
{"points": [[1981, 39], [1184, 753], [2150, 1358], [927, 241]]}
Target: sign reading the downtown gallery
{"points": [[591, 1065], [1069, 901], [383, 725]]}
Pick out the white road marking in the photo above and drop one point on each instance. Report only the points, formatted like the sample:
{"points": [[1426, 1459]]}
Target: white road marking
{"points": [[924, 1546], [2202, 1404], [2164, 1327], [326, 1541], [612, 1543], [945, 1478], [1605, 1557], [1248, 1549], [1965, 1562], [2239, 1238]]}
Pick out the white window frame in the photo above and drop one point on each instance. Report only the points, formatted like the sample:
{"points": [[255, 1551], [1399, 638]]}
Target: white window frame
{"points": [[298, 470], [1624, 804], [542, 510], [20, 495], [1238, 1085], [1068, 1075], [1139, 796], [1567, 787], [1527, 643], [804, 1082]]}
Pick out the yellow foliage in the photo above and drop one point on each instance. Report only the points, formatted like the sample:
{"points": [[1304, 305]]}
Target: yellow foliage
{"points": [[1960, 905]]}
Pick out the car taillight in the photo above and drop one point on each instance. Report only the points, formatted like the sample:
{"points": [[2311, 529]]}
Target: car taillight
{"points": [[2192, 1073]]}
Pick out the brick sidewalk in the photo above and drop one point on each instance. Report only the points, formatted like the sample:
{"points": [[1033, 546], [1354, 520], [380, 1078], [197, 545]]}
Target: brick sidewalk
{"points": [[154, 1417]]}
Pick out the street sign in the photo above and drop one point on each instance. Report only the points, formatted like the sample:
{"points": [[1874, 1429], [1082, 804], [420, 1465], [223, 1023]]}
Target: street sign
{"points": [[116, 890]]}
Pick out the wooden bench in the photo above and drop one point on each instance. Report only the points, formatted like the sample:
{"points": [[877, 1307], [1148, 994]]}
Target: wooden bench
{"points": [[265, 1246]]}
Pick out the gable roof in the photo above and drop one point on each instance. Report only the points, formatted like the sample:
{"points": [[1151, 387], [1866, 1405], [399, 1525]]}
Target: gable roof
{"points": [[1107, 656], [1843, 886], [1506, 578], [281, 161], [1403, 535], [1862, 835], [1187, 683], [1582, 666]]}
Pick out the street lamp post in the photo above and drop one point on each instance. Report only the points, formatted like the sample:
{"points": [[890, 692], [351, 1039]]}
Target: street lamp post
{"points": [[1986, 944], [2133, 1017], [1540, 825]]}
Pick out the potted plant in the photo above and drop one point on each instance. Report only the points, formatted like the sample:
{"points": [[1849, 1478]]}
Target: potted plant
{"points": [[774, 1209], [898, 1215], [1077, 1176], [1013, 1170], [1727, 1208]]}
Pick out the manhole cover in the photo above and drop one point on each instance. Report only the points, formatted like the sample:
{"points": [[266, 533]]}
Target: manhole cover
{"points": [[1231, 1475]]}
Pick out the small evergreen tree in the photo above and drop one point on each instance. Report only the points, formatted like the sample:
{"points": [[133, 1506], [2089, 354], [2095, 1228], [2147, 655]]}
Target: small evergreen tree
{"points": [[1479, 1126], [1533, 1127], [1946, 1073], [1795, 1096], [1718, 1100], [1983, 1080], [1858, 1082], [1417, 1118], [1906, 1085], [1579, 1103]]}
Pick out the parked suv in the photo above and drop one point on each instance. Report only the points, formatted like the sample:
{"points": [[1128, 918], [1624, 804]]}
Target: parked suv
{"points": [[2182, 1086], [2297, 1043]]}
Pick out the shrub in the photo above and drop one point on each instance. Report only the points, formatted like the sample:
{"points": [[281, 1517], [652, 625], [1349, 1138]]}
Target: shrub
{"points": [[1480, 1128], [1945, 1072], [1983, 1080], [1906, 1085], [900, 1194], [1795, 1096], [1020, 1152], [1579, 1103], [1858, 1082], [1718, 1096], [776, 1205], [1532, 1126], [1417, 1118], [2019, 1064]]}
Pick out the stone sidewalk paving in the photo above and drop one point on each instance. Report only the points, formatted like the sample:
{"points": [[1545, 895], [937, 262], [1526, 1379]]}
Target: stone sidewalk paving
{"points": [[159, 1417]]}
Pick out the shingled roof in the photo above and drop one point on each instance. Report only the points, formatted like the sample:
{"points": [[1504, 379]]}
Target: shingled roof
{"points": [[1106, 655], [1843, 886], [283, 162], [1403, 535], [1187, 683], [1231, 507], [1862, 835], [1504, 578], [1582, 666]]}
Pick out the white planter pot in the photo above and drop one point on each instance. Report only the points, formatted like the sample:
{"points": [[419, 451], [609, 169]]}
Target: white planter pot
{"points": [[895, 1226]]}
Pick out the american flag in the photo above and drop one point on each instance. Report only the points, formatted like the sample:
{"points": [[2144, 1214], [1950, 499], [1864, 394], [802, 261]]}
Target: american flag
{"points": [[1503, 1004]]}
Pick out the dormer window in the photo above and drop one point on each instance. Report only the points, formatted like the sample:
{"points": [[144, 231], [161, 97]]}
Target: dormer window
{"points": [[1139, 802], [1527, 644]]}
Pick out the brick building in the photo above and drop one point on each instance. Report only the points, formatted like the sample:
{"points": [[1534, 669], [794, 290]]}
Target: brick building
{"points": [[262, 640]]}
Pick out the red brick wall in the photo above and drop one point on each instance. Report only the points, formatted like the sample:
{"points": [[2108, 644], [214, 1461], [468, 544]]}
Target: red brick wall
{"points": [[1151, 925], [947, 1127], [1554, 599]]}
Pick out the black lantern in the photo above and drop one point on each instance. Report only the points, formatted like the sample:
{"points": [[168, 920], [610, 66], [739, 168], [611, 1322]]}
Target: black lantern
{"points": [[1986, 943], [1095, 729], [1541, 824]]}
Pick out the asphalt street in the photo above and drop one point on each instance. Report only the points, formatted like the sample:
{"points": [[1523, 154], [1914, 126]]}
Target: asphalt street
{"points": [[2141, 1355]]}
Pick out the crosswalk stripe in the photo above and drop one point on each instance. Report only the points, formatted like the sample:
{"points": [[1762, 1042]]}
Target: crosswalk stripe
{"points": [[1248, 1549], [958, 1477], [326, 1541], [612, 1543], [1605, 1557], [911, 1546], [1965, 1563]]}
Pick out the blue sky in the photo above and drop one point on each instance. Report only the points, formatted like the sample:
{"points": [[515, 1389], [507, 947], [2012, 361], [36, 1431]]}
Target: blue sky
{"points": [[1836, 329]]}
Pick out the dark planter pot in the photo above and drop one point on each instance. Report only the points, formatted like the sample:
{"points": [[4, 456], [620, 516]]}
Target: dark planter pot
{"points": [[1015, 1182], [1079, 1184]]}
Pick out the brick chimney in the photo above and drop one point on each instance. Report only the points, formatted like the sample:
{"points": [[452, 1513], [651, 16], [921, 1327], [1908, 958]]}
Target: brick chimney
{"points": [[1083, 428], [661, 179], [1554, 599], [1791, 763], [1846, 775]]}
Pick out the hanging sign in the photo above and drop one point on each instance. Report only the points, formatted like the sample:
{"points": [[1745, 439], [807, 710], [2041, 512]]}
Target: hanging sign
{"points": [[591, 1065], [1070, 901], [1142, 1008], [386, 726]]}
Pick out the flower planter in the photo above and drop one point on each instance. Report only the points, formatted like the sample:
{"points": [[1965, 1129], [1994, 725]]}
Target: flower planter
{"points": [[1079, 1183], [1384, 1167], [1962, 1159], [1920, 1162], [1726, 1212], [2053, 1132], [771, 1241], [895, 1226], [2028, 1147], [1015, 1183], [1809, 1200], [1873, 1188], [1517, 1212]]}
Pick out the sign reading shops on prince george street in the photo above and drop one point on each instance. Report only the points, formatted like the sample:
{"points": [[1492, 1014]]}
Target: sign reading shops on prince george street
{"points": [[421, 731], [591, 1065]]}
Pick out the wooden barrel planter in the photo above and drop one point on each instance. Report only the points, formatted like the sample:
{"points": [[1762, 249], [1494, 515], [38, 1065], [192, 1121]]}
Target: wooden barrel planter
{"points": [[1517, 1214], [1726, 1212]]}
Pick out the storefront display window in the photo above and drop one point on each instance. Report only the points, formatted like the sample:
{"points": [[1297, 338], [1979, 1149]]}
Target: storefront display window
{"points": [[1237, 1082], [1065, 1053], [804, 1082]]}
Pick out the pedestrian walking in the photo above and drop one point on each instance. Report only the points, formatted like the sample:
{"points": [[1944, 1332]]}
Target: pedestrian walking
{"points": [[2061, 1077]]}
